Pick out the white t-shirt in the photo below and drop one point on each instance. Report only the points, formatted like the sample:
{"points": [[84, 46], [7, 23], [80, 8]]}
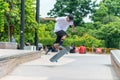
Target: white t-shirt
{"points": [[62, 24]]}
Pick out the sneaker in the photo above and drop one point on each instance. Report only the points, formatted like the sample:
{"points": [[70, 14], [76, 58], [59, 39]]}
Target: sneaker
{"points": [[54, 50], [49, 49]]}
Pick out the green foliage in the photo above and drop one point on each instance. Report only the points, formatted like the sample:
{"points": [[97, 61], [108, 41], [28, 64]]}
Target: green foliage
{"points": [[49, 26], [104, 30], [110, 18], [97, 24], [90, 41], [46, 30], [106, 9], [88, 25], [30, 19], [12, 18], [86, 39], [79, 8], [3, 8], [100, 13], [113, 7], [47, 41], [111, 34], [79, 32]]}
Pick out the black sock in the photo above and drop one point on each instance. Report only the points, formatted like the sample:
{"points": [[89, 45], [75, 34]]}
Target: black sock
{"points": [[61, 42]]}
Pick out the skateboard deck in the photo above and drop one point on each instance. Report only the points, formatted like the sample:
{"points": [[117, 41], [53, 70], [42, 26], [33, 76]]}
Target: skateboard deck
{"points": [[57, 56]]}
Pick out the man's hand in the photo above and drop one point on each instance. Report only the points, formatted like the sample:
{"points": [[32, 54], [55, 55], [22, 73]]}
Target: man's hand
{"points": [[43, 18], [74, 30]]}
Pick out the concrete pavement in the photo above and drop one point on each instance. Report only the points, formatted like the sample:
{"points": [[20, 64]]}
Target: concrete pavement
{"points": [[10, 58], [69, 67]]}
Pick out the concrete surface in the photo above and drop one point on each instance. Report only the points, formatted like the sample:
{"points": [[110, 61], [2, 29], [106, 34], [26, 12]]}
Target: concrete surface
{"points": [[115, 60], [10, 58], [69, 67]]}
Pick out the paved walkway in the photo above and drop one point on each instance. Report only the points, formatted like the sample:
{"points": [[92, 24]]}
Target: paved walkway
{"points": [[69, 67]]}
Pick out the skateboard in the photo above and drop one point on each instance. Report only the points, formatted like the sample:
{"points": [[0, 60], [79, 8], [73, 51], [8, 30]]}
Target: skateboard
{"points": [[62, 52]]}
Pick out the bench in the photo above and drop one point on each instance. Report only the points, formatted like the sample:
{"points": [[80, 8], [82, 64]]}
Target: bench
{"points": [[115, 60]]}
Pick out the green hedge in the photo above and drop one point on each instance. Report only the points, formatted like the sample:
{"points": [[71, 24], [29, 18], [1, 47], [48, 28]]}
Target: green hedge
{"points": [[47, 41], [78, 42]]}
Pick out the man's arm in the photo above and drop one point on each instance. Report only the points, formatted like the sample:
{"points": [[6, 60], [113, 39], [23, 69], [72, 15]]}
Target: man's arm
{"points": [[53, 19]]}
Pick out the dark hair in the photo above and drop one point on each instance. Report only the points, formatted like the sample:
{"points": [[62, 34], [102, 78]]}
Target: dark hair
{"points": [[71, 17]]}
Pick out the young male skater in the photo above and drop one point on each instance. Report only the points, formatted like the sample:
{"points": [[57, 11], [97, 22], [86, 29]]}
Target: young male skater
{"points": [[61, 26]]}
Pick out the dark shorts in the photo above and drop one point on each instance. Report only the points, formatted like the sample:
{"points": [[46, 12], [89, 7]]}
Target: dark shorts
{"points": [[61, 33]]}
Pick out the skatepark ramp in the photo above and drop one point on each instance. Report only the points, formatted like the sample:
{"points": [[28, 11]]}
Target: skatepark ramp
{"points": [[115, 60], [9, 59]]}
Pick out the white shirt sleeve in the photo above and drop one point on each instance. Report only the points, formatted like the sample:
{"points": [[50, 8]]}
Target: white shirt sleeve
{"points": [[59, 18]]}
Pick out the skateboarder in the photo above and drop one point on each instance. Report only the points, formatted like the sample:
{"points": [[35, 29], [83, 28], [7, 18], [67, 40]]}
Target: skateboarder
{"points": [[61, 26]]}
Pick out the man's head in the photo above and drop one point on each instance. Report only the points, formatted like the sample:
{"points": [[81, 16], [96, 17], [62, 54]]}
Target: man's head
{"points": [[70, 17]]}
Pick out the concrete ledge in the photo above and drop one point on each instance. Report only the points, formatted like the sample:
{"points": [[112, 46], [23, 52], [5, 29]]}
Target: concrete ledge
{"points": [[115, 60], [32, 48], [9, 59], [8, 45]]}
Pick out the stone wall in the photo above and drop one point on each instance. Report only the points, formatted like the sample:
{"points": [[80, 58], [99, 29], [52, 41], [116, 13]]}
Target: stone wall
{"points": [[8, 45]]}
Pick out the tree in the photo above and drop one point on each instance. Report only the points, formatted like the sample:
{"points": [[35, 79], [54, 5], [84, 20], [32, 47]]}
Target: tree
{"points": [[79, 8], [3, 8], [113, 6], [106, 20], [100, 13], [12, 20], [106, 9], [111, 34]]}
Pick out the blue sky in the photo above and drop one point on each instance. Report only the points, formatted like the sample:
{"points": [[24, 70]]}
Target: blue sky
{"points": [[46, 6]]}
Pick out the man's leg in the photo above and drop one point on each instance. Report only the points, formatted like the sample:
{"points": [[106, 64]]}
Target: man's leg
{"points": [[61, 42], [62, 39], [61, 35], [55, 45]]}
